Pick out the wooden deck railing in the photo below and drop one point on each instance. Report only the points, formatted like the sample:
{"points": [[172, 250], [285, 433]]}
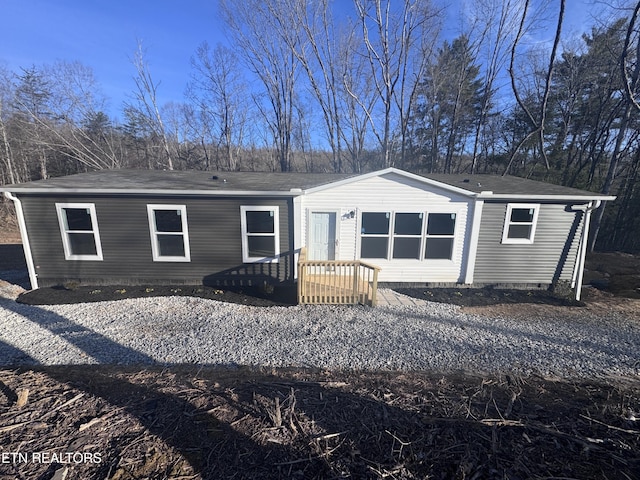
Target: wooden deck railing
{"points": [[336, 281]]}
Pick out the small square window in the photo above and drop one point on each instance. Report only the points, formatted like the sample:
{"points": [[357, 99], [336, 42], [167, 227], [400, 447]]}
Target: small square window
{"points": [[168, 221], [520, 223], [439, 248], [406, 247], [260, 222], [374, 247], [408, 224], [441, 224], [375, 223], [82, 244], [79, 219], [261, 247]]}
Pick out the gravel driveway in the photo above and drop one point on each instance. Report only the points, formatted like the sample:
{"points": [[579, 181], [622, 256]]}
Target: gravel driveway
{"points": [[174, 330]]}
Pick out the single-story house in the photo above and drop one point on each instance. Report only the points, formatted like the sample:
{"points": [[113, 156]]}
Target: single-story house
{"points": [[195, 227]]}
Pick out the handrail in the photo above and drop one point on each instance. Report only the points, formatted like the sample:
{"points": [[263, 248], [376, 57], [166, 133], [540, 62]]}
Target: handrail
{"points": [[336, 281]]}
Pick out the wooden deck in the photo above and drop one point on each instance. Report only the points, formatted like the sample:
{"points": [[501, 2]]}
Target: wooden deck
{"points": [[336, 281]]}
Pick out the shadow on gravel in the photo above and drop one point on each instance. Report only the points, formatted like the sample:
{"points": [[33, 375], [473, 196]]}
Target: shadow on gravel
{"points": [[102, 349], [11, 355], [601, 347]]}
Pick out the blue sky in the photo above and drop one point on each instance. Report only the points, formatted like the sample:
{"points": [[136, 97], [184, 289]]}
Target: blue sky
{"points": [[103, 35]]}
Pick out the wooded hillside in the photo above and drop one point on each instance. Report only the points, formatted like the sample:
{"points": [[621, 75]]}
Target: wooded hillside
{"points": [[301, 88]]}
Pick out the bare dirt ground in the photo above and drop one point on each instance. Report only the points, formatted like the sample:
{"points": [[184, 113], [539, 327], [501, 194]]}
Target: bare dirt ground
{"points": [[216, 422]]}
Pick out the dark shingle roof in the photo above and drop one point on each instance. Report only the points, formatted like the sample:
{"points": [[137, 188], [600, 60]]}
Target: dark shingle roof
{"points": [[507, 185], [181, 181], [223, 183]]}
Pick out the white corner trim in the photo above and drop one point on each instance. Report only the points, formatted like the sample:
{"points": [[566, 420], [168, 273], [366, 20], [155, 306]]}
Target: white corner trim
{"points": [[297, 224], [26, 246], [473, 241]]}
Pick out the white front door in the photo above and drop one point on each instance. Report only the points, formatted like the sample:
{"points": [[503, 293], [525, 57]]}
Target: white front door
{"points": [[322, 236]]}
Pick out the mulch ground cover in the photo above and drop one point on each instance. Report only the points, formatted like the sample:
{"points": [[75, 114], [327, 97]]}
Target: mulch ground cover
{"points": [[90, 422], [281, 295], [474, 297], [81, 294]]}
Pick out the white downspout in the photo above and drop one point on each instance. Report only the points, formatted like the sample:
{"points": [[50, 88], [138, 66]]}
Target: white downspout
{"points": [[33, 276], [583, 246]]}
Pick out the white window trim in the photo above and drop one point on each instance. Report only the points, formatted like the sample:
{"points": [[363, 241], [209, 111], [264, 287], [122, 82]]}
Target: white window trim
{"points": [[245, 235], [423, 237], [388, 235], [393, 235], [155, 247], [64, 231], [454, 237], [508, 223]]}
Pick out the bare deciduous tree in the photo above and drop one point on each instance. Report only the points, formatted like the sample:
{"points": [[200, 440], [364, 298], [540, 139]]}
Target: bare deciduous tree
{"points": [[145, 103], [492, 28], [311, 35], [631, 79], [357, 98], [537, 122], [256, 27], [219, 91], [392, 39]]}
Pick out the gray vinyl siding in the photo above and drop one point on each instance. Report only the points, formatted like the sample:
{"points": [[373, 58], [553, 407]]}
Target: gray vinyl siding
{"points": [[214, 236], [550, 257]]}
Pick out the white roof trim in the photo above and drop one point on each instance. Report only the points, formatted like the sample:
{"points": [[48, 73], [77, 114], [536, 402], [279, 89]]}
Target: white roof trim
{"points": [[386, 171], [178, 193], [519, 196]]}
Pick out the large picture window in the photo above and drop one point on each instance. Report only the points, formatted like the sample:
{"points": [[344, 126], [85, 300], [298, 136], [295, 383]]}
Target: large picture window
{"points": [[520, 223], [440, 236], [402, 235], [169, 233], [260, 233], [79, 230], [374, 235]]}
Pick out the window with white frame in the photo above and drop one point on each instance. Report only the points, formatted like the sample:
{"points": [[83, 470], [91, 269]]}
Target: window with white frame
{"points": [[440, 236], [79, 230], [374, 235], [169, 233], [260, 233], [402, 235], [407, 235], [520, 223]]}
